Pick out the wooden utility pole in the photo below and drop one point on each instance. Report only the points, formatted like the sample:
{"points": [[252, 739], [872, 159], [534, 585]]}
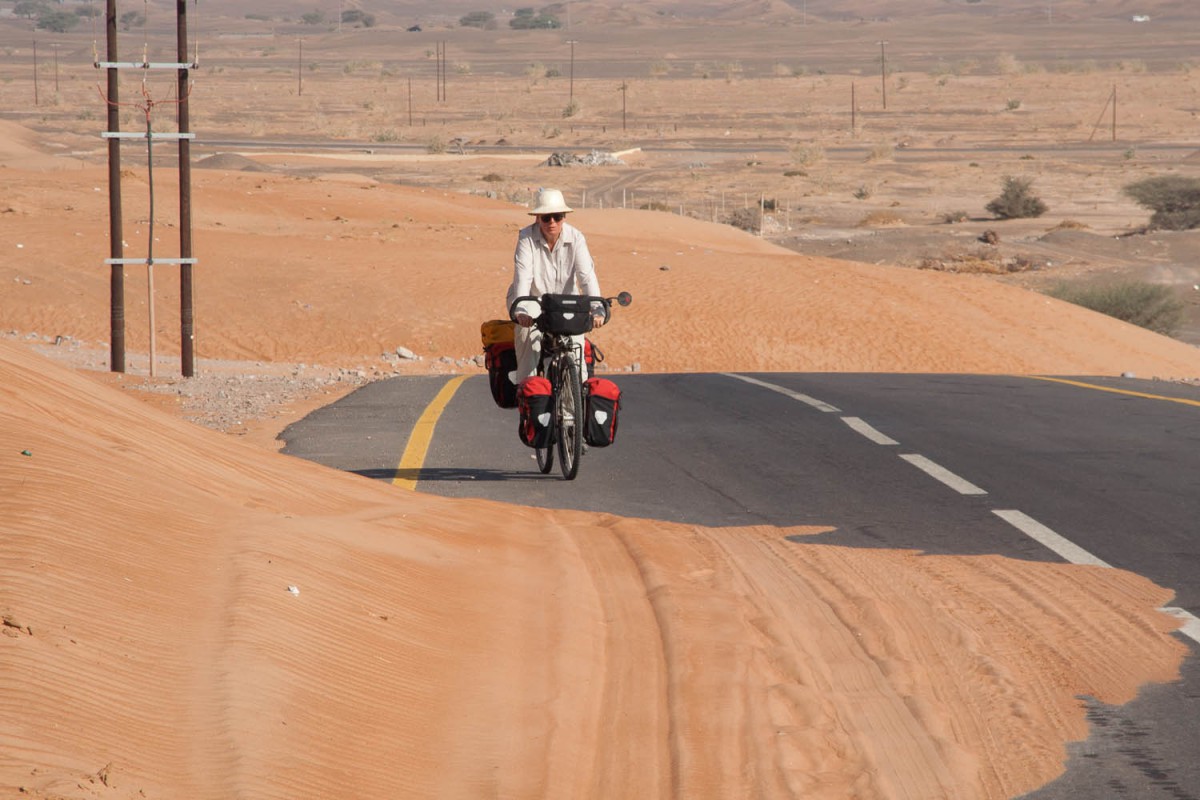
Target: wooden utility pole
{"points": [[300, 68], [571, 79], [116, 236], [35, 77], [187, 332], [624, 87]]}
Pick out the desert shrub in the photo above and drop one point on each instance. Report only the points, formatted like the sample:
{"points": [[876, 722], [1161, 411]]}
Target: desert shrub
{"points": [[436, 145], [1069, 225], [1013, 104], [659, 68], [951, 217], [553, 72], [1174, 199], [492, 177], [313, 18], [1007, 64], [1017, 200], [571, 109], [863, 192], [357, 17], [484, 20], [1148, 305], [795, 173], [878, 219], [748, 219], [881, 151], [806, 155], [131, 19], [655, 205]]}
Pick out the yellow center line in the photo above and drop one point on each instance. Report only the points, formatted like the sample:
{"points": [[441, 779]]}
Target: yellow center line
{"points": [[411, 462], [1116, 391]]}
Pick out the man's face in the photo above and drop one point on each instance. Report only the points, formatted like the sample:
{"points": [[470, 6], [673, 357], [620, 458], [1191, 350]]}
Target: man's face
{"points": [[551, 223]]}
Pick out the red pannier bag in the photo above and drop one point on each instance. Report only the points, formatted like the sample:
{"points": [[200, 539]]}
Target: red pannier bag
{"points": [[534, 404], [603, 402], [501, 361], [592, 355]]}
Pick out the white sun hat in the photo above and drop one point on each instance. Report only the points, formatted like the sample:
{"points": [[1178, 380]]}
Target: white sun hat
{"points": [[550, 201]]}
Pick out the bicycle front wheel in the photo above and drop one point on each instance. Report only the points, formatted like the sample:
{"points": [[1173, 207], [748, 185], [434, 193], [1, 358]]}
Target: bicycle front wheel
{"points": [[568, 413]]}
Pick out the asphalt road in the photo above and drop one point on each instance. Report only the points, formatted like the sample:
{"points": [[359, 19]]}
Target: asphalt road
{"points": [[1089, 470]]}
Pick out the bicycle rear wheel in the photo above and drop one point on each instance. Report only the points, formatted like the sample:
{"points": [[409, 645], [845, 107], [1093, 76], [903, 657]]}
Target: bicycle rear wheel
{"points": [[568, 414]]}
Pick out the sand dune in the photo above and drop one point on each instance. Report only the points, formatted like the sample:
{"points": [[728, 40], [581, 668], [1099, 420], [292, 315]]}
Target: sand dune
{"points": [[340, 271]]}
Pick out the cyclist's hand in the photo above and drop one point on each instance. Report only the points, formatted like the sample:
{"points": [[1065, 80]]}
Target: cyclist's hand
{"points": [[597, 320], [524, 320]]}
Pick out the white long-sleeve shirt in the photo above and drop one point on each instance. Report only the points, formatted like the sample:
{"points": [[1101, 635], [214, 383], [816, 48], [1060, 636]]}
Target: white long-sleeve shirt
{"points": [[538, 269]]}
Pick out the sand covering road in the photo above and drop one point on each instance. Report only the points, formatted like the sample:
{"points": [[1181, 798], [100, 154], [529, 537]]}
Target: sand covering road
{"points": [[438, 648]]}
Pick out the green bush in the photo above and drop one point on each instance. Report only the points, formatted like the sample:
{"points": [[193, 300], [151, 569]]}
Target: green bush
{"points": [[528, 19], [484, 20], [1017, 200], [57, 21], [1174, 199], [1148, 305]]}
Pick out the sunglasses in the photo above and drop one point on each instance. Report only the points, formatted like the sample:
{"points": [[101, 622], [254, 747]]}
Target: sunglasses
{"points": [[548, 218]]}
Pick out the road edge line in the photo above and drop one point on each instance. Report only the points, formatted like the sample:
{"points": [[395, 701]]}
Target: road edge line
{"points": [[417, 447]]}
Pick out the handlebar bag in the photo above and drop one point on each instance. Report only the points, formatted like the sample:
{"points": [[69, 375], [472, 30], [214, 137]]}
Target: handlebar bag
{"points": [[566, 314], [534, 404], [601, 407]]}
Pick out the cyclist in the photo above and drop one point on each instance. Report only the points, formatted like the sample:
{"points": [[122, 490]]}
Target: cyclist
{"points": [[551, 257]]}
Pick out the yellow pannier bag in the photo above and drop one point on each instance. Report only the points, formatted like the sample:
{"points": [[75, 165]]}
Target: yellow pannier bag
{"points": [[495, 331]]}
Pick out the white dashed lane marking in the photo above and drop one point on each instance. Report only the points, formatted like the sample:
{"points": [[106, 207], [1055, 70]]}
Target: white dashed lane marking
{"points": [[1068, 550], [866, 430], [803, 398], [960, 485]]}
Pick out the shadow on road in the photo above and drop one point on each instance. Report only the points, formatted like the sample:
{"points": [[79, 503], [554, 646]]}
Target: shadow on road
{"points": [[457, 474]]}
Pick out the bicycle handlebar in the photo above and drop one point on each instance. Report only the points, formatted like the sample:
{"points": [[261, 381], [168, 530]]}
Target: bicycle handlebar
{"points": [[622, 298]]}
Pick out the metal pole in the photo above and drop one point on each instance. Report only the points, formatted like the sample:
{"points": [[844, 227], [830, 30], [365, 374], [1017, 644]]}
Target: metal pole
{"points": [[410, 102], [35, 77], [1114, 125], [883, 71], [853, 111], [55, 46], [187, 331], [115, 229], [300, 69]]}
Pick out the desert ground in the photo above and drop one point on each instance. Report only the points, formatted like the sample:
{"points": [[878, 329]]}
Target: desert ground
{"points": [[187, 613]]}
